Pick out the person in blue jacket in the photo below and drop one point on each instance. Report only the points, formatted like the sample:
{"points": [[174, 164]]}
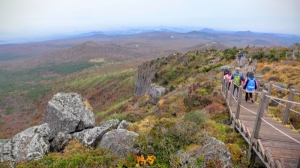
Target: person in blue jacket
{"points": [[250, 86], [237, 79]]}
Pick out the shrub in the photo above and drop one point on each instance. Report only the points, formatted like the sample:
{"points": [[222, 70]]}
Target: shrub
{"points": [[198, 117], [165, 82], [274, 78], [167, 137], [265, 69], [172, 88], [215, 110]]}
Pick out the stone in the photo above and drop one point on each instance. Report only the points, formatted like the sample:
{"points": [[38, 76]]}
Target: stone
{"points": [[155, 93], [5, 150], [67, 113], [113, 123], [90, 137], [143, 79], [210, 149], [281, 85], [274, 102], [119, 142], [31, 143], [60, 142], [124, 124]]}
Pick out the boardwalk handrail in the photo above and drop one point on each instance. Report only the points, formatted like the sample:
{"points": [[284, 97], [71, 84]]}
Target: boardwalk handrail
{"points": [[281, 88], [293, 102]]}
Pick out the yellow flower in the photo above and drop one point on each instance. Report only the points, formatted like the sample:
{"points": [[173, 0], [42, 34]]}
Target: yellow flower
{"points": [[150, 159]]}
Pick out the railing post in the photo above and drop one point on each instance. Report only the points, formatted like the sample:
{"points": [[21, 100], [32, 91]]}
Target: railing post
{"points": [[256, 94], [238, 107], [226, 89], [257, 124], [230, 92], [269, 93], [287, 108], [222, 85]]}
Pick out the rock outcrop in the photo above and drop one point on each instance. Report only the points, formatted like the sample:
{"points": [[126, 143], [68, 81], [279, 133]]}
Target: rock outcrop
{"points": [[5, 150], [211, 149], [113, 123], [155, 93], [124, 124], [89, 137], [67, 113], [144, 75], [60, 142], [31, 143], [119, 142]]}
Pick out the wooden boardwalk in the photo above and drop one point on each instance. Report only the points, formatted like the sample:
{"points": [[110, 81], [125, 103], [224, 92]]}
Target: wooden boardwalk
{"points": [[274, 143]]}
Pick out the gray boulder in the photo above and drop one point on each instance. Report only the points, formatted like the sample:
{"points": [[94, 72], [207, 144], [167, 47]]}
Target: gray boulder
{"points": [[124, 124], [113, 123], [31, 143], [155, 93], [60, 141], [67, 113], [5, 150], [119, 142], [295, 87], [274, 102], [211, 149], [90, 137], [280, 85]]}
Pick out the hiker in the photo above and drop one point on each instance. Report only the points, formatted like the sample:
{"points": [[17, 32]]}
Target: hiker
{"points": [[250, 60], [228, 76], [237, 80], [251, 84], [240, 55], [226, 71]]}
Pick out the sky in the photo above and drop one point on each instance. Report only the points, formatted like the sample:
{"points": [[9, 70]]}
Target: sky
{"points": [[32, 18]]}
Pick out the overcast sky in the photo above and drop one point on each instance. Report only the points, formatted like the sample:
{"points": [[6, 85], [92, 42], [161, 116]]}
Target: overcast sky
{"points": [[24, 18]]}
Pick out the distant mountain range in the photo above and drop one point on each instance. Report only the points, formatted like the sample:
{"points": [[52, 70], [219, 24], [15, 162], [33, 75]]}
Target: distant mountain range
{"points": [[140, 30], [140, 42]]}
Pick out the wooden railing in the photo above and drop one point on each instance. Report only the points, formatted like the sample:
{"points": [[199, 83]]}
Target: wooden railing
{"points": [[252, 137]]}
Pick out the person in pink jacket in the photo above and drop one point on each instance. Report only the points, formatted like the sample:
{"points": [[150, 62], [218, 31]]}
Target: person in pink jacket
{"points": [[228, 76]]}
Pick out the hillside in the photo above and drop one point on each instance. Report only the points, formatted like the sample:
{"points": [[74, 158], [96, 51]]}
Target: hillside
{"points": [[192, 92]]}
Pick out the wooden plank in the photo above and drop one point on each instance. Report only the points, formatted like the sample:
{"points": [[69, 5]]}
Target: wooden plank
{"points": [[286, 162], [248, 133], [268, 156], [243, 128], [274, 137], [284, 153], [260, 147], [284, 145], [278, 164]]}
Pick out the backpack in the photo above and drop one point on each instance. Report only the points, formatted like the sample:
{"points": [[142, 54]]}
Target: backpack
{"points": [[237, 79], [251, 85]]}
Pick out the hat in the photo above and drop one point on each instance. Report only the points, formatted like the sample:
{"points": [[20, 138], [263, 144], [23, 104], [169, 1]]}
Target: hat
{"points": [[237, 69]]}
